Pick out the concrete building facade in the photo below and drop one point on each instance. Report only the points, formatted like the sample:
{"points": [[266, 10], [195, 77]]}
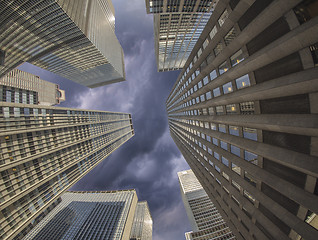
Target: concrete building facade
{"points": [[205, 220], [44, 150], [74, 39], [22, 87], [177, 27], [142, 225], [243, 112], [89, 215]]}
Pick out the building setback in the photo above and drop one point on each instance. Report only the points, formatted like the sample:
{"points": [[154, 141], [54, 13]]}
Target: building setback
{"points": [[44, 150], [142, 225], [89, 215], [74, 39], [22, 87], [177, 27], [243, 112], [206, 221]]}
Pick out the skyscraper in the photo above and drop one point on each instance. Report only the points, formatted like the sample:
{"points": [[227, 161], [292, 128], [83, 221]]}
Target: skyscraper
{"points": [[205, 220], [44, 150], [177, 27], [142, 225], [22, 87], [243, 112], [89, 215], [74, 39]]}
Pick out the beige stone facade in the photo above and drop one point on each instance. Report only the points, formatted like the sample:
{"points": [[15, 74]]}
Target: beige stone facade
{"points": [[243, 114]]}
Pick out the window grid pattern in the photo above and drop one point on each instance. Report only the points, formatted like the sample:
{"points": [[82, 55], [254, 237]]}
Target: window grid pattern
{"points": [[45, 150], [225, 148], [208, 222], [27, 88], [142, 225], [49, 34], [87, 215], [178, 26]]}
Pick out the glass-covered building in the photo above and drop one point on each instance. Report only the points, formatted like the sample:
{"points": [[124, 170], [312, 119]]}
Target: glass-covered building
{"points": [[205, 220], [177, 27], [142, 225], [74, 39], [89, 215]]}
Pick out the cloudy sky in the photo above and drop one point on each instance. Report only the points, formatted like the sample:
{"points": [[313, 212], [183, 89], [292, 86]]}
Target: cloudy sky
{"points": [[149, 161]]}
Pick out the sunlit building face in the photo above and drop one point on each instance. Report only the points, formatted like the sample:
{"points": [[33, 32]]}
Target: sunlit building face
{"points": [[45, 150], [74, 39]]}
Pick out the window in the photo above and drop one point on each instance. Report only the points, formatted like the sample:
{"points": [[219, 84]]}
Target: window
{"points": [[243, 82], [216, 155], [230, 36], [223, 68], [215, 141], [211, 111], [236, 58], [222, 128], [236, 169], [205, 80], [236, 185], [227, 88], [250, 157], [247, 108], [219, 110], [213, 75], [235, 150], [223, 145], [225, 161], [248, 177], [231, 109], [208, 95], [249, 196], [213, 32], [218, 48], [216, 92], [223, 17], [250, 133]]}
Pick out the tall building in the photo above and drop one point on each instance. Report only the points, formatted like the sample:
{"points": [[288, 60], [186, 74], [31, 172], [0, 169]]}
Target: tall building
{"points": [[74, 39], [22, 87], [243, 112], [205, 220], [142, 225], [89, 215], [44, 150], [177, 27]]}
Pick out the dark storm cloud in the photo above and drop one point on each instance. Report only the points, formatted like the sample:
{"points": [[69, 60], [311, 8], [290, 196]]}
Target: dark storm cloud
{"points": [[150, 160]]}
